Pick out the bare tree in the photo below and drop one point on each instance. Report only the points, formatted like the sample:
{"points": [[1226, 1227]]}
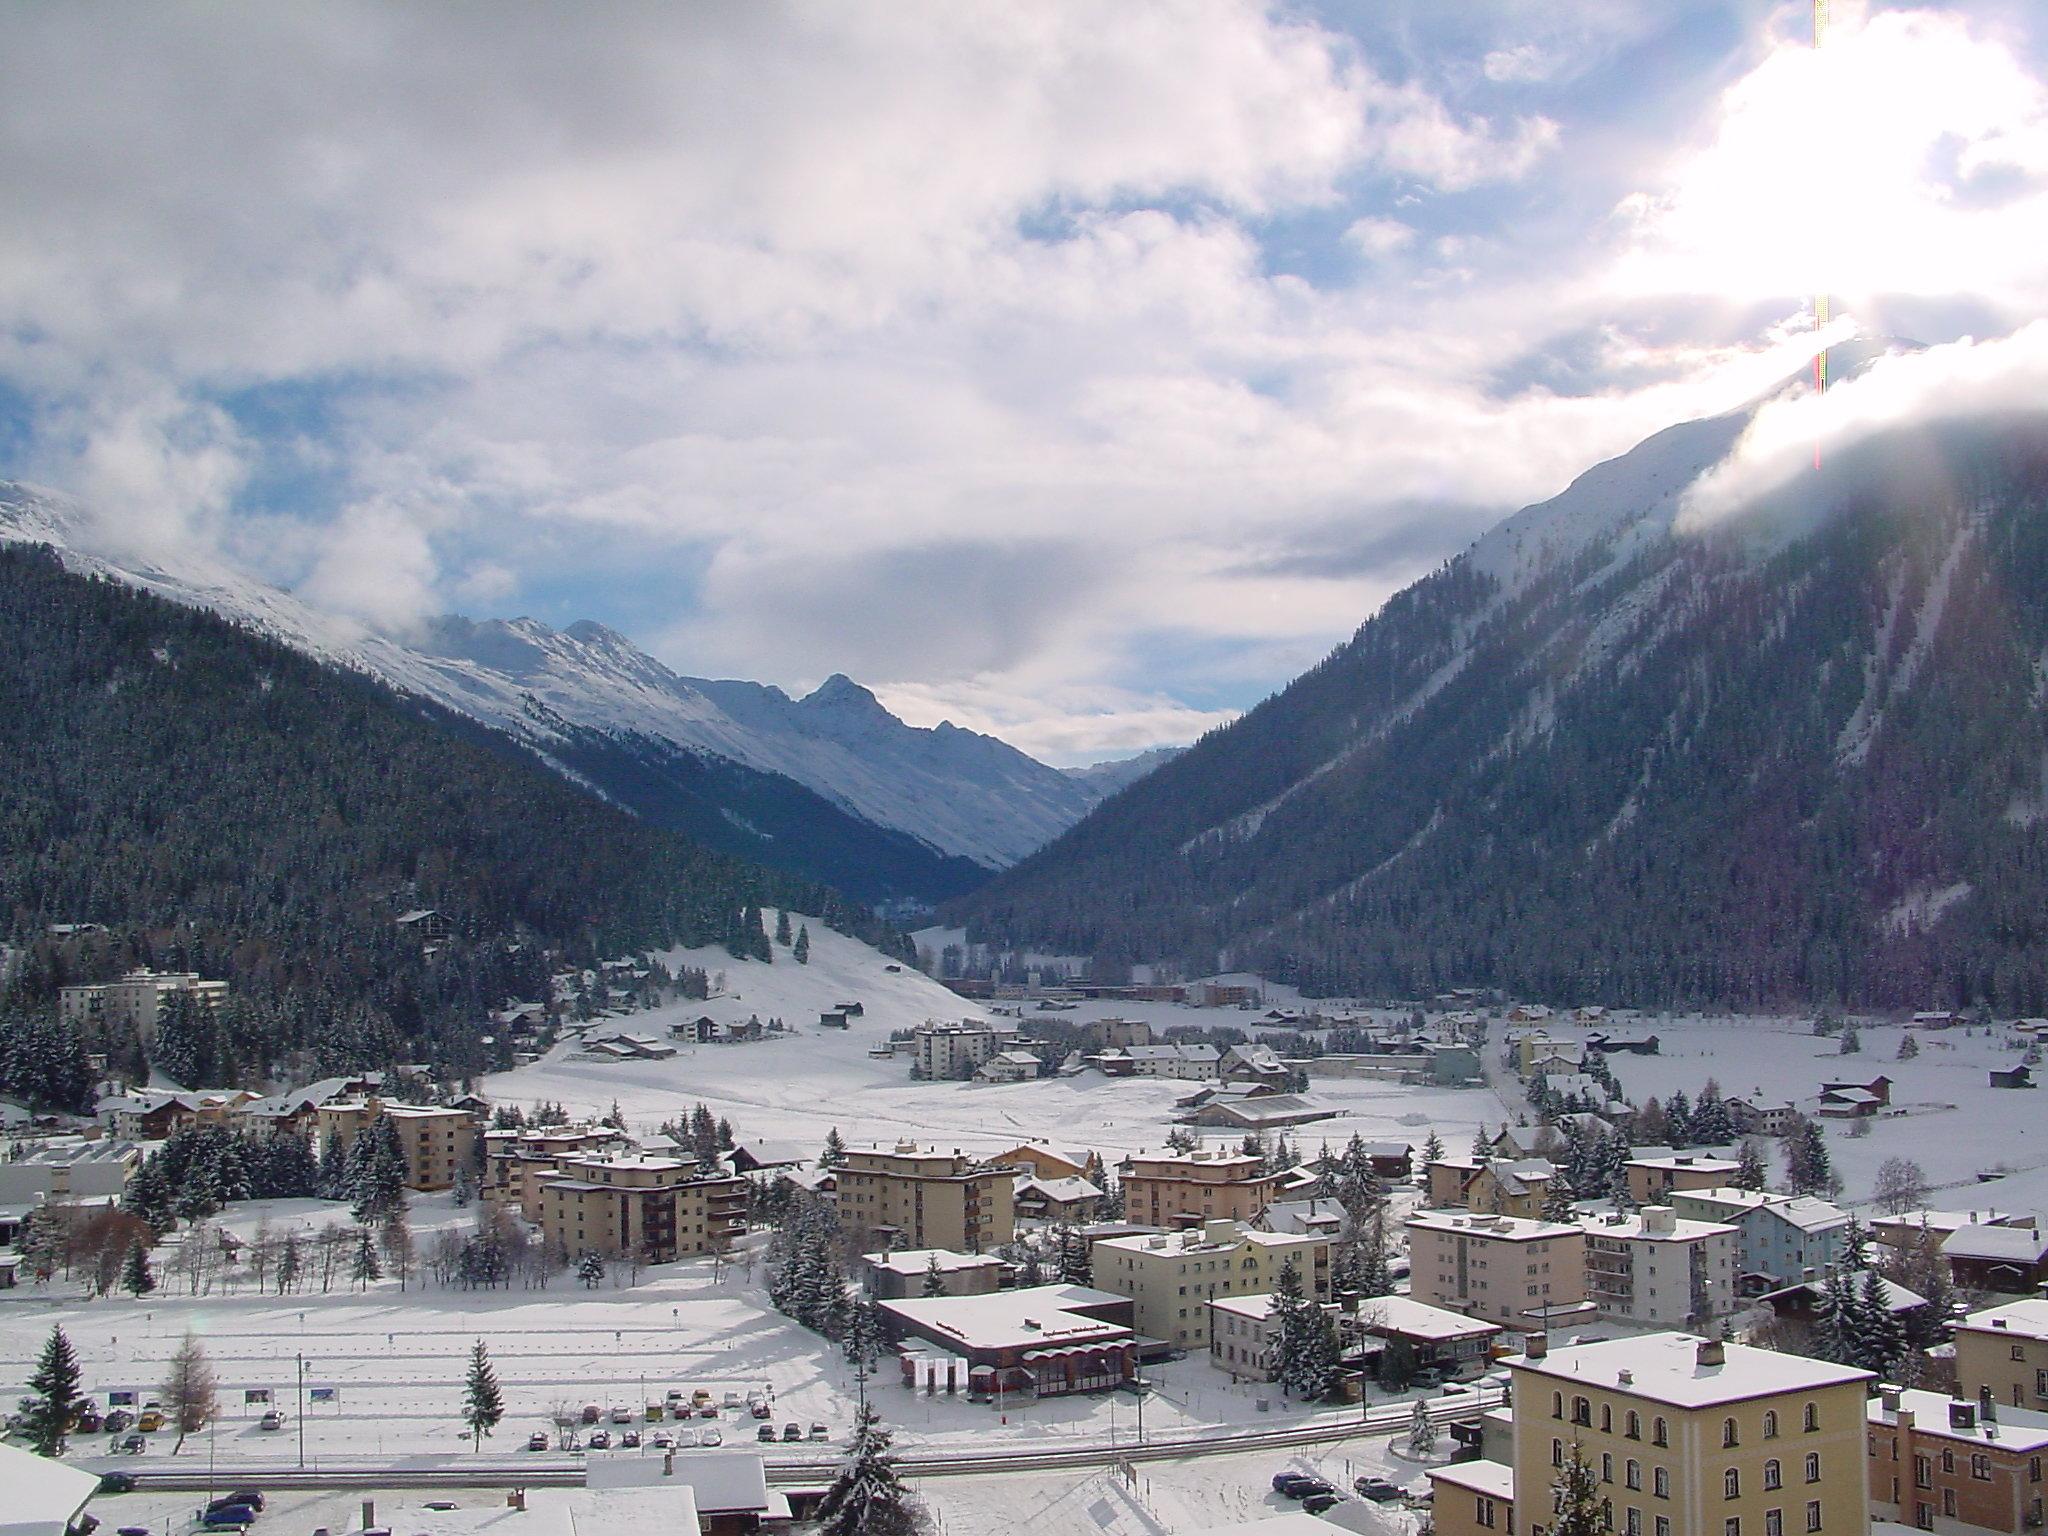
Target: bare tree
{"points": [[330, 1241], [189, 1398], [1901, 1186]]}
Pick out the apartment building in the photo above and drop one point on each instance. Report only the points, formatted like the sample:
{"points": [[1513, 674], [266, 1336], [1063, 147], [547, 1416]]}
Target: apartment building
{"points": [[1684, 1437], [1782, 1239], [1171, 1277], [57, 1172], [652, 1208], [1942, 1465], [1505, 1269], [137, 998], [1658, 1268], [933, 1199], [2002, 1355], [1188, 1188], [516, 1160], [1654, 1180], [438, 1142], [952, 1052]]}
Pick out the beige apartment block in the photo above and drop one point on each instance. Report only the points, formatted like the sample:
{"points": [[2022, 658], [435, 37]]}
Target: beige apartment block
{"points": [[1505, 1269], [2002, 1354], [515, 1160], [934, 1199], [1186, 1189], [136, 999], [651, 1208], [1171, 1277], [952, 1052], [438, 1142], [1941, 1465], [1684, 1436]]}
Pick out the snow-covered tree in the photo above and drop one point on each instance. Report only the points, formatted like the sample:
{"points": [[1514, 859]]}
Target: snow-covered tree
{"points": [[136, 1279], [1808, 1169], [483, 1405], [1421, 1433], [868, 1497], [934, 1282], [363, 1266], [1432, 1149], [1575, 1496], [782, 934], [55, 1390], [801, 950], [1901, 1185], [590, 1270], [1305, 1342], [1750, 1172], [835, 1150]]}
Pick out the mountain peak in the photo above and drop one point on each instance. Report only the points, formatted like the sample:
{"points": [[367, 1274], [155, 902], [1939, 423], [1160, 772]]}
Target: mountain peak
{"points": [[842, 693]]}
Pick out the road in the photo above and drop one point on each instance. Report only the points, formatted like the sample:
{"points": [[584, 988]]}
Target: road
{"points": [[557, 1472]]}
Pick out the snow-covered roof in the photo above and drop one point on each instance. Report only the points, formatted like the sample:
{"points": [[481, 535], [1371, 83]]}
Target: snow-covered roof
{"points": [[1059, 1191], [1491, 1479], [1691, 1162], [1810, 1213], [1036, 1314], [2000, 1244], [1727, 1199], [43, 1496], [722, 1480], [2018, 1431], [1403, 1314], [1642, 1227], [1666, 1368], [916, 1261], [2028, 1319], [1946, 1221], [1303, 1215], [1515, 1229]]}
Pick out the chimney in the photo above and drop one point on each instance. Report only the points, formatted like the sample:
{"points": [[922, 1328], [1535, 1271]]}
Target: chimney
{"points": [[1890, 1398], [1961, 1416], [1711, 1353], [1536, 1346], [1627, 1377]]}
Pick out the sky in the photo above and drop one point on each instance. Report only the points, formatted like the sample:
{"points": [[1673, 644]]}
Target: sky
{"points": [[1077, 373]]}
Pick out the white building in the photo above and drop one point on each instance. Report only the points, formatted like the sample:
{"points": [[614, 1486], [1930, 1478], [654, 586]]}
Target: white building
{"points": [[136, 998], [952, 1052], [1009, 1067], [1658, 1268]]}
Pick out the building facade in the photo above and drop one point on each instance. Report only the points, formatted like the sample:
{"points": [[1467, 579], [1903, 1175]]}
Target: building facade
{"points": [[438, 1142], [952, 1052], [1940, 1465], [1656, 1267], [1171, 1277], [136, 998], [1505, 1269], [933, 1199], [2002, 1355], [654, 1209], [1183, 1189]]}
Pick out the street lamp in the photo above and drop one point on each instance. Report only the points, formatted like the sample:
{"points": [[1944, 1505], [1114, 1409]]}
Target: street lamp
{"points": [[302, 1409]]}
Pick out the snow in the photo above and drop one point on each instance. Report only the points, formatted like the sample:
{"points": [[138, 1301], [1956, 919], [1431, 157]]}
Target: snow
{"points": [[1665, 1367]]}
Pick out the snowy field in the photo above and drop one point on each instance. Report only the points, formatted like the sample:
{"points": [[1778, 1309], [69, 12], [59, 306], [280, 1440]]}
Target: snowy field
{"points": [[796, 1089]]}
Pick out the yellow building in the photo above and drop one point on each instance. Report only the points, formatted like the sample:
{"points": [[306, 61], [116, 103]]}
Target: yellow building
{"points": [[1186, 1189], [652, 1208], [438, 1142], [1171, 1277], [515, 1160], [1654, 1180], [934, 1199], [1684, 1437], [2002, 1353]]}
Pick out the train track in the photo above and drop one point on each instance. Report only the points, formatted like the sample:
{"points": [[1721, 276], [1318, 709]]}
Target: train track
{"points": [[556, 1473]]}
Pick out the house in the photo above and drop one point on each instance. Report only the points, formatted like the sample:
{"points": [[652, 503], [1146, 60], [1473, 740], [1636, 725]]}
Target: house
{"points": [[1391, 1159], [851, 1010], [893, 1275], [1939, 1018], [757, 1156], [1912, 1229], [1213, 1093], [1263, 1112], [151, 1114], [627, 1493], [1255, 1064], [1635, 1044], [438, 1143], [2002, 1355], [1686, 1437], [1008, 1067], [1755, 1115], [1185, 1063], [136, 1000], [1511, 1188], [701, 1030], [1040, 1341], [1807, 1302], [1658, 1268], [296, 1112], [2009, 1259], [621, 1046], [1045, 1161], [1879, 1088], [833, 1020], [1653, 1180], [1116, 1034], [1423, 1337], [1072, 1200], [1933, 1459], [1529, 1013], [2012, 1077], [1244, 1336], [1322, 1218], [1505, 1269], [1525, 1141]]}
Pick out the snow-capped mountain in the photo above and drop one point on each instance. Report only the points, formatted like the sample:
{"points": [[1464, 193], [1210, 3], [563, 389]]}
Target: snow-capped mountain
{"points": [[1605, 755], [1107, 777], [780, 775]]}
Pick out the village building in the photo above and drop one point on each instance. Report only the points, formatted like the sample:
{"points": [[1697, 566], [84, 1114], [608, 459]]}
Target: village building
{"points": [[1316, 1217], [1257, 1112], [152, 1114], [1914, 1229], [1071, 1200], [2012, 1260], [1182, 1063], [1170, 1276], [1942, 1465], [655, 1209], [136, 1000], [438, 1142], [954, 1052], [67, 1170], [1040, 1341], [1008, 1067], [296, 1112], [1447, 1344], [1185, 1189], [1654, 1180], [902, 1272], [1684, 1436], [1244, 1336], [1047, 1162], [1754, 1115], [515, 1160], [2002, 1355], [1505, 1269], [1780, 1239], [1657, 1268], [933, 1199]]}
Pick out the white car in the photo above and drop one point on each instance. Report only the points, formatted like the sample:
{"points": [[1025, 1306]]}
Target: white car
{"points": [[271, 1420]]}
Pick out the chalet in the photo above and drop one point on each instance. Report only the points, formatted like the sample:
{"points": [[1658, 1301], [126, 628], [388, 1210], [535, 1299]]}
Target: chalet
{"points": [[701, 1030], [1186, 1063], [1635, 1044], [1044, 1161], [1807, 1302], [1524, 1141], [2013, 1260], [1254, 1064], [1759, 1116], [296, 1112], [1008, 1067], [626, 1047], [1517, 1188], [766, 1156], [1261, 1112], [1391, 1159], [1591, 1013], [1223, 1092], [1879, 1087], [1910, 1229], [1940, 1018], [1848, 1104], [1317, 1218], [2012, 1077], [851, 1010], [423, 923], [833, 1020], [1072, 1200], [1529, 1013]]}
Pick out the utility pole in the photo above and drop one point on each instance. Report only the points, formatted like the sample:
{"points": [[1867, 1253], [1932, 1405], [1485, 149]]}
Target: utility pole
{"points": [[302, 1412]]}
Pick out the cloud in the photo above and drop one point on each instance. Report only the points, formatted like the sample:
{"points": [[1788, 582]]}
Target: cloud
{"points": [[1522, 64], [376, 563], [1926, 388], [1376, 237]]}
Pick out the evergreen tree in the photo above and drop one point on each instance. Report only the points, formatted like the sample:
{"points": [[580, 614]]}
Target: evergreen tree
{"points": [[1839, 1336], [149, 1195], [1421, 1433], [55, 1390], [782, 936], [835, 1150], [1678, 1116], [590, 1270], [483, 1405], [1432, 1149], [1305, 1340], [1881, 1337], [1852, 1043], [1750, 1172], [863, 1340], [1575, 1496], [1808, 1169], [1557, 1198], [291, 1261], [364, 1268], [377, 1171], [1070, 1251], [136, 1279], [1180, 1139], [465, 1188], [1909, 1046], [1371, 1271], [867, 1497], [934, 1282], [801, 951]]}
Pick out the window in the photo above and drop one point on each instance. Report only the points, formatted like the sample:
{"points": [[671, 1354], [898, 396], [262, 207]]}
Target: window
{"points": [[1729, 1438], [1813, 1515], [1731, 1484], [1632, 1474], [1813, 1467], [1582, 1412], [1606, 1467], [1771, 1424], [1948, 1501], [1659, 1432], [1774, 1522], [1772, 1476], [1923, 1472], [1632, 1426], [2019, 1352], [1660, 1483], [1606, 1420], [1557, 1453], [2033, 1469], [1732, 1527], [1812, 1418], [1980, 1467], [1484, 1512], [1948, 1461], [1557, 1405], [1662, 1527]]}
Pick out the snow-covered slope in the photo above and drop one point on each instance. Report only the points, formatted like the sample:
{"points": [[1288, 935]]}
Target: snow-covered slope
{"points": [[1106, 778], [955, 791]]}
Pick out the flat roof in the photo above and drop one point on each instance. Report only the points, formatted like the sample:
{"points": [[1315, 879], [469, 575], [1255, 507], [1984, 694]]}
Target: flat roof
{"points": [[1492, 1479], [1512, 1229], [1636, 1228], [916, 1261], [1665, 1368], [997, 1320], [1678, 1160], [2019, 1430], [2028, 1318]]}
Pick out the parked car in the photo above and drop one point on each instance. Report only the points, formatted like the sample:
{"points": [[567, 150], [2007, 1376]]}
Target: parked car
{"points": [[1282, 1479], [701, 1395], [88, 1420], [150, 1421], [664, 1441], [1300, 1487], [765, 1434], [1316, 1503], [600, 1440], [792, 1432], [537, 1441], [232, 1517], [117, 1419], [731, 1400], [592, 1413], [711, 1436], [132, 1445], [132, 1530], [761, 1409], [1378, 1489], [271, 1420], [708, 1411], [622, 1415], [820, 1432], [118, 1482], [630, 1440], [230, 1505], [252, 1497]]}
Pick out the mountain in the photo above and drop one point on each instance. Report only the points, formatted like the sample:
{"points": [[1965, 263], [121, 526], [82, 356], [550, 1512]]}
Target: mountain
{"points": [[219, 802], [1799, 755], [829, 785], [1106, 778]]}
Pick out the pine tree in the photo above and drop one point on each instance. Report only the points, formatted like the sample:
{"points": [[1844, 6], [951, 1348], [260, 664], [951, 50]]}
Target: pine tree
{"points": [[590, 1270], [465, 1188], [1421, 1433], [1881, 1336], [1909, 1046], [1750, 1172], [291, 1261], [1575, 1496], [136, 1279], [934, 1282], [1808, 1169], [868, 1498], [1840, 1335], [1305, 1341], [835, 1150], [1557, 1198], [782, 928], [364, 1268], [1372, 1273], [1852, 1043], [801, 951], [483, 1405], [1432, 1149], [863, 1339], [55, 1389]]}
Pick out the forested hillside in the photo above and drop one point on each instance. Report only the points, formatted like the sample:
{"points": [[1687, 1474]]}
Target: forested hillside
{"points": [[222, 804], [1802, 757]]}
